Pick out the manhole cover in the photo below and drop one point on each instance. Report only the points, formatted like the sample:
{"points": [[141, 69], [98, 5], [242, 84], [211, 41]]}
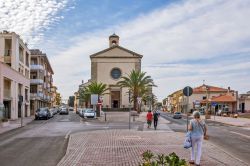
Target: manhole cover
{"points": [[131, 137]]}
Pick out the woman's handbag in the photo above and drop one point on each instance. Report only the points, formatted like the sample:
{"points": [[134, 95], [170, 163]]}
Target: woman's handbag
{"points": [[188, 141], [206, 137]]}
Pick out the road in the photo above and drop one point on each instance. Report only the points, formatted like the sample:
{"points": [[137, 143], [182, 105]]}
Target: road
{"points": [[44, 142], [234, 140]]}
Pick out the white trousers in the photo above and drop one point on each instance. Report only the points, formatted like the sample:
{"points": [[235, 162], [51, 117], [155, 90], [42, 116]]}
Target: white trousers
{"points": [[196, 143]]}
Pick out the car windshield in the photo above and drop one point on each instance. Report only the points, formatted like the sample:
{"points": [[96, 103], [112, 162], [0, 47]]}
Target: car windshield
{"points": [[42, 110], [89, 111], [177, 113]]}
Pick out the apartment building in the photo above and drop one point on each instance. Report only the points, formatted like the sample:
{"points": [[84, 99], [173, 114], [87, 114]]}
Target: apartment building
{"points": [[14, 75], [53, 99], [41, 81]]}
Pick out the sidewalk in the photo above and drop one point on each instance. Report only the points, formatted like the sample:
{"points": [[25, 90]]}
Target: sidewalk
{"points": [[240, 122], [13, 124], [124, 147]]}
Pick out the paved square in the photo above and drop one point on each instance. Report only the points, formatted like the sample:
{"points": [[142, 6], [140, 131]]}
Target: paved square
{"points": [[124, 147]]}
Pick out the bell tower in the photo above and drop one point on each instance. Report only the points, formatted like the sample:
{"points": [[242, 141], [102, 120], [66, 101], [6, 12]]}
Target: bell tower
{"points": [[113, 40]]}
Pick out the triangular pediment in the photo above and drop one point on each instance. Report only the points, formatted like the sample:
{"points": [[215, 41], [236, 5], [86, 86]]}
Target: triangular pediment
{"points": [[116, 52]]}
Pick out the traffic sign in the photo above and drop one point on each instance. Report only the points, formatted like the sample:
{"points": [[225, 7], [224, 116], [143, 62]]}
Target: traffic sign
{"points": [[214, 104], [187, 91], [94, 99]]}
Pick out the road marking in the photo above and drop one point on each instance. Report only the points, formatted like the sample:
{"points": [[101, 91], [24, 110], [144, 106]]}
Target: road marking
{"points": [[67, 135], [243, 135]]}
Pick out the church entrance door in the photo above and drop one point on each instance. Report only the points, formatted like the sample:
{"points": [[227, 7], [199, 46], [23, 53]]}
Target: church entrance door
{"points": [[115, 99]]}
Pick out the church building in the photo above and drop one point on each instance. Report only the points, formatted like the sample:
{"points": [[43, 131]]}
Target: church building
{"points": [[109, 65]]}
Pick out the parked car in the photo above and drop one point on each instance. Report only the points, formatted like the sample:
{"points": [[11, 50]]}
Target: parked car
{"points": [[64, 111], [51, 113], [53, 110], [222, 112], [42, 113], [81, 112], [177, 115], [89, 113], [71, 109], [202, 110]]}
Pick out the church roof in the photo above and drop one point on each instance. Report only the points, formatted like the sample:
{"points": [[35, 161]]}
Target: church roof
{"points": [[114, 35], [136, 55]]}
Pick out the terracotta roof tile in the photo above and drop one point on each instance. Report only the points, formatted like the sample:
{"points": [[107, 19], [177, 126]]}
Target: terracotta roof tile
{"points": [[227, 98], [202, 88]]}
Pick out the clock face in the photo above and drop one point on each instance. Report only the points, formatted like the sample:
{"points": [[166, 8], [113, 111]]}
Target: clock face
{"points": [[116, 73]]}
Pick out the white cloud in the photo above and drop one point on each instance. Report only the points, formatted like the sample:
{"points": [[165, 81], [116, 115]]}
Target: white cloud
{"points": [[184, 31], [29, 17], [169, 38]]}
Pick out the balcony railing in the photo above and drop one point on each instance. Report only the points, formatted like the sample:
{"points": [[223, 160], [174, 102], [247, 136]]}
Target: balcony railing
{"points": [[35, 95], [36, 81], [36, 67]]}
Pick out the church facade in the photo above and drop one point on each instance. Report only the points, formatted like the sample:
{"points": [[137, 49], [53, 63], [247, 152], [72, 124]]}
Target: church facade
{"points": [[108, 66]]}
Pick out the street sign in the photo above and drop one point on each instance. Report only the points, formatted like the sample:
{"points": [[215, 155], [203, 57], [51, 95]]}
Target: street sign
{"points": [[139, 100], [214, 104], [94, 99], [187, 91]]}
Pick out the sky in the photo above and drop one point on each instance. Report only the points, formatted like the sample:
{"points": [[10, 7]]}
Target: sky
{"points": [[182, 42]]}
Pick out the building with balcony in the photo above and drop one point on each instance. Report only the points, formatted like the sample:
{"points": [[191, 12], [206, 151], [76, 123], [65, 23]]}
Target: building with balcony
{"points": [[204, 96], [41, 81], [14, 75], [53, 99]]}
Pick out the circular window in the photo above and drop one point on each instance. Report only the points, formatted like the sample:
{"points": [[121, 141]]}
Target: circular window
{"points": [[116, 73]]}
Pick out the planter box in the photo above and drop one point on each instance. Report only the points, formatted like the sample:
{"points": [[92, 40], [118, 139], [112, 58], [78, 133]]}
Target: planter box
{"points": [[4, 124]]}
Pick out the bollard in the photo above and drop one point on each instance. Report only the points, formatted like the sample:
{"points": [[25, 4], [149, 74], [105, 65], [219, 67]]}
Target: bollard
{"points": [[133, 118], [105, 116]]}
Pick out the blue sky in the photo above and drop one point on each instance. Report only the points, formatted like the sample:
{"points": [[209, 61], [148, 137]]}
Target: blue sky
{"points": [[183, 42]]}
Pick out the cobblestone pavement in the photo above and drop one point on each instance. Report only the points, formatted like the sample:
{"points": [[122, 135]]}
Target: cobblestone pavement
{"points": [[124, 148]]}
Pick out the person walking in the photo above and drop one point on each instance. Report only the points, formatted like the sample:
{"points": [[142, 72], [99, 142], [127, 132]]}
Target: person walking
{"points": [[198, 131], [149, 118], [156, 116]]}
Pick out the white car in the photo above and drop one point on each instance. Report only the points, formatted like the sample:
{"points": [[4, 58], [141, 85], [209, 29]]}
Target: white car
{"points": [[89, 113]]}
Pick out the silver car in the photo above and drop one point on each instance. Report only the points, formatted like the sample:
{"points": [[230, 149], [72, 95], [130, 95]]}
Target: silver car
{"points": [[177, 115], [89, 113]]}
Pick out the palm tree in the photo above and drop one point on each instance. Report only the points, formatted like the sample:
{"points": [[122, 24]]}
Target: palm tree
{"points": [[95, 88], [138, 83]]}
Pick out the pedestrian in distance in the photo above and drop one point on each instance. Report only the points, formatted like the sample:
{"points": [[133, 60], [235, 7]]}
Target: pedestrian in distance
{"points": [[149, 118], [198, 132], [156, 116]]}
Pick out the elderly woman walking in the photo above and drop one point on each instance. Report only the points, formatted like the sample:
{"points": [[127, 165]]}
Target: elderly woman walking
{"points": [[198, 131]]}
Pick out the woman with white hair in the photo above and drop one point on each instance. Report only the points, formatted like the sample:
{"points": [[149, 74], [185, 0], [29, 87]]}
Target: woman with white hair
{"points": [[198, 131]]}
